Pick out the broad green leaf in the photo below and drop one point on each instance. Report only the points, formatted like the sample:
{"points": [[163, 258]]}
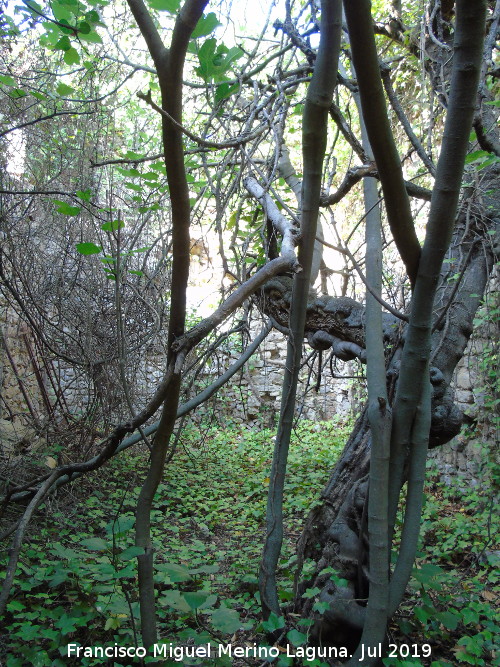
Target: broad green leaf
{"points": [[62, 12], [426, 572], [205, 57], [123, 524], [112, 623], [85, 195], [35, 9], [59, 578], [112, 225], [131, 552], [63, 44], [15, 605], [63, 89], [16, 93], [205, 26], [71, 57], [273, 623], [206, 569], [92, 17], [165, 5], [176, 600], [200, 599], [88, 248], [132, 172], [91, 37], [66, 624], [95, 543], [65, 208], [225, 90], [311, 592], [7, 80], [226, 620], [476, 155], [176, 573], [423, 614], [296, 638], [84, 28], [448, 619], [132, 155]]}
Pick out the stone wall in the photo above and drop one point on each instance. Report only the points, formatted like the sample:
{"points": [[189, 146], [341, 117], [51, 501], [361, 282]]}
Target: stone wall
{"points": [[475, 382], [254, 394], [30, 390]]}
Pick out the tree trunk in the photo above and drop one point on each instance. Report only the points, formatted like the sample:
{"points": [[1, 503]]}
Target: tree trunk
{"points": [[334, 535]]}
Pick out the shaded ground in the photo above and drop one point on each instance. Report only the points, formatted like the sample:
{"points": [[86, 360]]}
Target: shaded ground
{"points": [[77, 581]]}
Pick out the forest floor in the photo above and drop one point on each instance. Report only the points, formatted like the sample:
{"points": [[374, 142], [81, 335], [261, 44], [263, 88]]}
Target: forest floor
{"points": [[76, 580]]}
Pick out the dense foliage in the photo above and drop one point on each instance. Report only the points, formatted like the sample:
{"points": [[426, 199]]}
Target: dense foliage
{"points": [[77, 580]]}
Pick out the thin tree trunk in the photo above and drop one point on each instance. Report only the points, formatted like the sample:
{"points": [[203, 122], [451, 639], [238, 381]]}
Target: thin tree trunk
{"points": [[318, 101]]}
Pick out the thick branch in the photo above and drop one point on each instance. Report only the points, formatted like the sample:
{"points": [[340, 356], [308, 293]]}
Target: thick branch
{"points": [[148, 30], [365, 59]]}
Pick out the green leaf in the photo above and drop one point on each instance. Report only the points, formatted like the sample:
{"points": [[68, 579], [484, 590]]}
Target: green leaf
{"points": [[91, 37], [85, 195], [427, 572], [95, 544], [165, 5], [92, 16], [321, 607], [130, 173], [176, 573], [7, 80], [88, 248], [63, 89], [15, 605], [225, 90], [134, 187], [65, 208], [296, 638], [112, 225], [205, 26], [273, 623], [448, 619], [63, 44], [59, 578], [71, 57], [476, 155], [200, 599], [84, 28], [132, 155], [422, 614], [176, 600], [226, 620], [311, 592], [131, 552], [66, 624], [16, 93]]}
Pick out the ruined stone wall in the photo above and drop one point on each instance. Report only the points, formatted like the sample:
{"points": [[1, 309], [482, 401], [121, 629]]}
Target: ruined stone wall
{"points": [[476, 390], [254, 394]]}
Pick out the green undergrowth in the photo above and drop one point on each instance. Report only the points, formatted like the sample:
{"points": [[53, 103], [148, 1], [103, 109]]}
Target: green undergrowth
{"points": [[77, 582], [453, 598]]}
